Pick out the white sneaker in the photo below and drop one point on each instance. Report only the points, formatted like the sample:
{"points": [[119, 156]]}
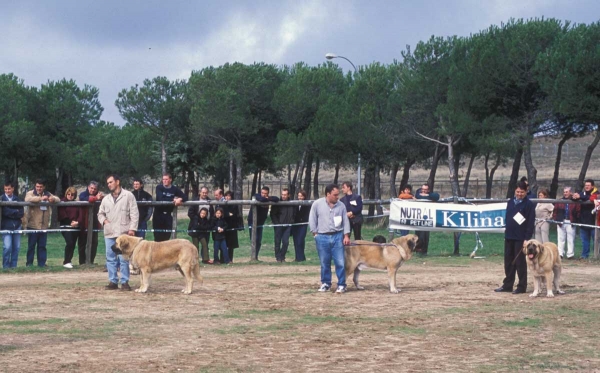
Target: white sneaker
{"points": [[341, 289], [324, 287], [68, 265]]}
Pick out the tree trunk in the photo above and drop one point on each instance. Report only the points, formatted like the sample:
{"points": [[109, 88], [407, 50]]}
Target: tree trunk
{"points": [[406, 173], [370, 186], [531, 170], [586, 160], [337, 173], [194, 183], [554, 183], [308, 174], [254, 182], [514, 175], [489, 174], [239, 180], [439, 151], [298, 181], [231, 176], [451, 168], [260, 184], [377, 188], [316, 180], [163, 152], [468, 175], [188, 176], [393, 174]]}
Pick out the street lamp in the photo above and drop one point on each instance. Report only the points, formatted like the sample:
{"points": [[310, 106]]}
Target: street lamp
{"points": [[331, 56]]}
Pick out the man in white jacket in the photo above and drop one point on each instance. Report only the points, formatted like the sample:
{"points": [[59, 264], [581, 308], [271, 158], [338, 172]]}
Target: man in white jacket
{"points": [[118, 215]]}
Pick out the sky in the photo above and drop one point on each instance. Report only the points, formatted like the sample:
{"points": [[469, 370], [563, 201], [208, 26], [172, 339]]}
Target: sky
{"points": [[115, 44]]}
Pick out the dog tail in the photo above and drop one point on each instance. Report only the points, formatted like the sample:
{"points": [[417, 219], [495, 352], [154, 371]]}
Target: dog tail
{"points": [[196, 271]]}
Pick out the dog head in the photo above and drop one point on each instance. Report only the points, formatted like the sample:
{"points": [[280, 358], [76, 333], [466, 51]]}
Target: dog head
{"points": [[532, 249], [408, 243], [125, 244], [379, 239]]}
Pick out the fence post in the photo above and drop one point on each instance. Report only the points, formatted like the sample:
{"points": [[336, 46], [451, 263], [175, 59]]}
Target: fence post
{"points": [[253, 239], [596, 243], [174, 225], [90, 233], [0, 215]]}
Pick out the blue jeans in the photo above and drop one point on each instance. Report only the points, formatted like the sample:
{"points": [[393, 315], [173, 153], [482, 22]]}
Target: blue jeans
{"points": [[587, 238], [113, 261], [39, 240], [221, 245], [299, 235], [141, 232], [259, 232], [331, 246], [403, 232], [10, 253]]}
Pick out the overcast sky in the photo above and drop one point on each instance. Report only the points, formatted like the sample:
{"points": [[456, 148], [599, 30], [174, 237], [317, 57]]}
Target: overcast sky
{"points": [[114, 44]]}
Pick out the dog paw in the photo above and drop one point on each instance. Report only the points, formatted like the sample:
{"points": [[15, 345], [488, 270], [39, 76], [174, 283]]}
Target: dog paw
{"points": [[560, 292], [138, 290], [395, 291], [533, 295], [550, 295], [360, 287]]}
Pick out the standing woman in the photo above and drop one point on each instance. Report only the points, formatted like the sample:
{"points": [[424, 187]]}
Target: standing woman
{"points": [[234, 222], [543, 211], [300, 227], [69, 218]]}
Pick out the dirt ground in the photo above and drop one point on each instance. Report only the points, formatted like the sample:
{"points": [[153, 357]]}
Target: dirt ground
{"points": [[270, 317]]}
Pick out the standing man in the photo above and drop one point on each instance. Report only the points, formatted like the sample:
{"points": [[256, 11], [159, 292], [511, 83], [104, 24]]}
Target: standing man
{"points": [[425, 193], [145, 210], [329, 224], [219, 196], [283, 217], [91, 195], [194, 215], [520, 226], [589, 193], [354, 206], [38, 217], [261, 216], [163, 218], [565, 214], [118, 215], [11, 221]]}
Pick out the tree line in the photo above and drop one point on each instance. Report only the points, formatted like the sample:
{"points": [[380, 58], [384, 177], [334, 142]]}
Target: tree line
{"points": [[449, 101]]}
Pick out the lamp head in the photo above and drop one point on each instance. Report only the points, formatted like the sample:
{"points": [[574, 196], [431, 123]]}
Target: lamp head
{"points": [[330, 56]]}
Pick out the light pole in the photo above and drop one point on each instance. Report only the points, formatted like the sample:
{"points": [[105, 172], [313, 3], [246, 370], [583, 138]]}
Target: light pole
{"points": [[331, 56]]}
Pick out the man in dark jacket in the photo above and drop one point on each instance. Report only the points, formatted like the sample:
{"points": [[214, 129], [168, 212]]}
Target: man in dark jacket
{"points": [[283, 216], [11, 221], [261, 216], [91, 195], [145, 210], [354, 206], [425, 193], [520, 226], [589, 193], [162, 220]]}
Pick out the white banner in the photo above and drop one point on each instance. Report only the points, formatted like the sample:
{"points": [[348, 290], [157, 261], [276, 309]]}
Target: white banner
{"points": [[430, 216]]}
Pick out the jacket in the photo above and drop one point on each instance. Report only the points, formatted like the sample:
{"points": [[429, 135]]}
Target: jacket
{"points": [[406, 196], [585, 215], [122, 214], [86, 196], [218, 223], [38, 217], [144, 210], [11, 215], [167, 194], [302, 213], [204, 225], [543, 211], [560, 211], [282, 214], [262, 211], [433, 196], [353, 203], [232, 216], [67, 214], [525, 230]]}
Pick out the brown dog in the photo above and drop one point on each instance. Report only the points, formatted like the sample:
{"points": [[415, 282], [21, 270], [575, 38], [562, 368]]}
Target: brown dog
{"points": [[151, 257], [365, 254], [542, 260]]}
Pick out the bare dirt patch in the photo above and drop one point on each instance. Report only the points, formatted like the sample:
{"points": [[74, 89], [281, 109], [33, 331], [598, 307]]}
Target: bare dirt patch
{"points": [[270, 318]]}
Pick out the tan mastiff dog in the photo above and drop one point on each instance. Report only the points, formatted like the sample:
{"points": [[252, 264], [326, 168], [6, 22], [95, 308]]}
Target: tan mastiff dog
{"points": [[390, 256], [151, 257], [543, 261]]}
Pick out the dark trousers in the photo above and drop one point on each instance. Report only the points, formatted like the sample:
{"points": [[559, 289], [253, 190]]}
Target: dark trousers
{"points": [[221, 245], [282, 242], [70, 242], [203, 242], [82, 243], [39, 240], [423, 243], [299, 236], [162, 221], [231, 238], [141, 232], [259, 233], [513, 249], [356, 228]]}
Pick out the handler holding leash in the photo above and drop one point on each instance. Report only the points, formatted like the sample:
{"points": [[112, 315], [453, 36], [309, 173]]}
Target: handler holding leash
{"points": [[520, 225], [118, 215], [329, 224]]}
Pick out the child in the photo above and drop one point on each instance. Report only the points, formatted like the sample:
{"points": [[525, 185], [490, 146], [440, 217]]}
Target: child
{"points": [[204, 227], [218, 235], [406, 194]]}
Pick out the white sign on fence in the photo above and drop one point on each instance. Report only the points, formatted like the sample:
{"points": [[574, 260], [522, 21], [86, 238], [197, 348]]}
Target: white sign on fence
{"points": [[431, 216]]}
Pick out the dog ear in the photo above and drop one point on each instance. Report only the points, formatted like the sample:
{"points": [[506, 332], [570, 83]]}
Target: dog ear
{"points": [[412, 243], [541, 248]]}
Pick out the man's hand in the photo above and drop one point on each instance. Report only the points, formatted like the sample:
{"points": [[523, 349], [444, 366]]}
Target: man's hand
{"points": [[74, 223], [350, 214], [105, 222], [576, 196], [45, 198], [346, 240], [100, 195], [131, 233], [178, 201]]}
